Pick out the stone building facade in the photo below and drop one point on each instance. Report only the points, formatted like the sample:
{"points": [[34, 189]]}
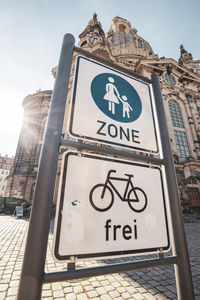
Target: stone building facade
{"points": [[180, 84], [21, 181], [5, 166]]}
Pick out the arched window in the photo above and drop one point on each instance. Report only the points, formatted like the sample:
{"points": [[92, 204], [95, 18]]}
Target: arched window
{"points": [[84, 44], [140, 43], [192, 180], [122, 28], [175, 114], [169, 78]]}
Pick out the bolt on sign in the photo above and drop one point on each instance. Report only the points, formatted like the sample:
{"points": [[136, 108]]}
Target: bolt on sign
{"points": [[109, 207], [111, 107]]}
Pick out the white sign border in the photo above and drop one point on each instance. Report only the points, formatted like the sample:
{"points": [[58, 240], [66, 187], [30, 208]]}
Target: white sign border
{"points": [[105, 255], [102, 141]]}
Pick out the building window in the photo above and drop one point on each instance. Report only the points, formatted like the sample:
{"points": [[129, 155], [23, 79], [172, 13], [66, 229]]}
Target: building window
{"points": [[169, 78], [192, 180], [32, 191], [181, 143], [84, 44], [198, 106], [194, 196], [122, 28], [175, 114], [140, 43]]}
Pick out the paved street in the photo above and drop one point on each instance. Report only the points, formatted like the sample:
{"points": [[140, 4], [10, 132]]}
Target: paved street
{"points": [[154, 283]]}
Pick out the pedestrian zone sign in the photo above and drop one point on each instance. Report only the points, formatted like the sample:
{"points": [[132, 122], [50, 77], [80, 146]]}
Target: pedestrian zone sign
{"points": [[112, 107], [108, 207]]}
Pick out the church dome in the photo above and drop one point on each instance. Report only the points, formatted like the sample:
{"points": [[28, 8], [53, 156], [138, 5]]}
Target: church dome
{"points": [[124, 40], [121, 42]]}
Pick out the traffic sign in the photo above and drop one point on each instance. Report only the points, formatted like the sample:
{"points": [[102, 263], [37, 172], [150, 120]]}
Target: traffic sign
{"points": [[109, 207], [111, 236], [111, 107]]}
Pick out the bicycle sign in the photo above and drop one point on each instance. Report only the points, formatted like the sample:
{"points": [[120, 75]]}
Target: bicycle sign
{"points": [[120, 108], [109, 207], [136, 197]]}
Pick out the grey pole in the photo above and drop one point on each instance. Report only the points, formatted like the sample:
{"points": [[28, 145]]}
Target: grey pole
{"points": [[109, 269], [35, 253], [182, 268]]}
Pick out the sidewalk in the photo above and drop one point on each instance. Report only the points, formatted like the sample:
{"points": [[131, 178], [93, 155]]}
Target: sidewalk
{"points": [[154, 283]]}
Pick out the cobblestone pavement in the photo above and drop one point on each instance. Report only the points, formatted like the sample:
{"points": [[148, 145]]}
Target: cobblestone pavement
{"points": [[154, 283]]}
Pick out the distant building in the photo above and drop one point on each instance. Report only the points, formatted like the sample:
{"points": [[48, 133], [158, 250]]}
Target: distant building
{"points": [[180, 84], [21, 182], [5, 166]]}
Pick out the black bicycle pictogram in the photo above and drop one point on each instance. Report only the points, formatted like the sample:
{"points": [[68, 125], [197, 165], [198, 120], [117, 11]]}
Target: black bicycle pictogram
{"points": [[102, 194]]}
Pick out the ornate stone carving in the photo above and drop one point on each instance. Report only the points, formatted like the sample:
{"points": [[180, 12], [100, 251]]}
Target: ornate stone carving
{"points": [[101, 52], [185, 56], [93, 34]]}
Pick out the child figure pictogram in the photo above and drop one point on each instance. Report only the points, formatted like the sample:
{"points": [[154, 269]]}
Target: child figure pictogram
{"points": [[126, 106]]}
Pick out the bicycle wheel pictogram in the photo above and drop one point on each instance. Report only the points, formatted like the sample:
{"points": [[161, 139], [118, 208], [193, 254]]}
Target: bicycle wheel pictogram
{"points": [[137, 199], [101, 197]]}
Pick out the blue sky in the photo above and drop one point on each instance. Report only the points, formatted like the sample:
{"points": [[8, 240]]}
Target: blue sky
{"points": [[31, 35]]}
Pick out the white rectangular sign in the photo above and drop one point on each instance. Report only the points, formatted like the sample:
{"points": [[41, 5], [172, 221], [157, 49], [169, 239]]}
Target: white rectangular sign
{"points": [[107, 207], [111, 107]]}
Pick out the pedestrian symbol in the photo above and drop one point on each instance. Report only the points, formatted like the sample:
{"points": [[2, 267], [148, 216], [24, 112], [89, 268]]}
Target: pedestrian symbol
{"points": [[110, 107], [116, 97]]}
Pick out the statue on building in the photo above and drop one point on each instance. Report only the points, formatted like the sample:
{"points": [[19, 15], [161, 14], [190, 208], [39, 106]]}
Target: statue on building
{"points": [[185, 56]]}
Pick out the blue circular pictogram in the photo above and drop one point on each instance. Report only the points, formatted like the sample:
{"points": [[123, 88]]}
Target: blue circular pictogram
{"points": [[116, 97]]}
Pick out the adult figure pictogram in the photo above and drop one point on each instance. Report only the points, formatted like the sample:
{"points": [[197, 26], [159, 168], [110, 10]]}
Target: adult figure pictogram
{"points": [[112, 95]]}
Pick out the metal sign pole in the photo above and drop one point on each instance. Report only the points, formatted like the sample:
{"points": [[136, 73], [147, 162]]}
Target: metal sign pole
{"points": [[33, 275], [182, 269], [36, 245]]}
